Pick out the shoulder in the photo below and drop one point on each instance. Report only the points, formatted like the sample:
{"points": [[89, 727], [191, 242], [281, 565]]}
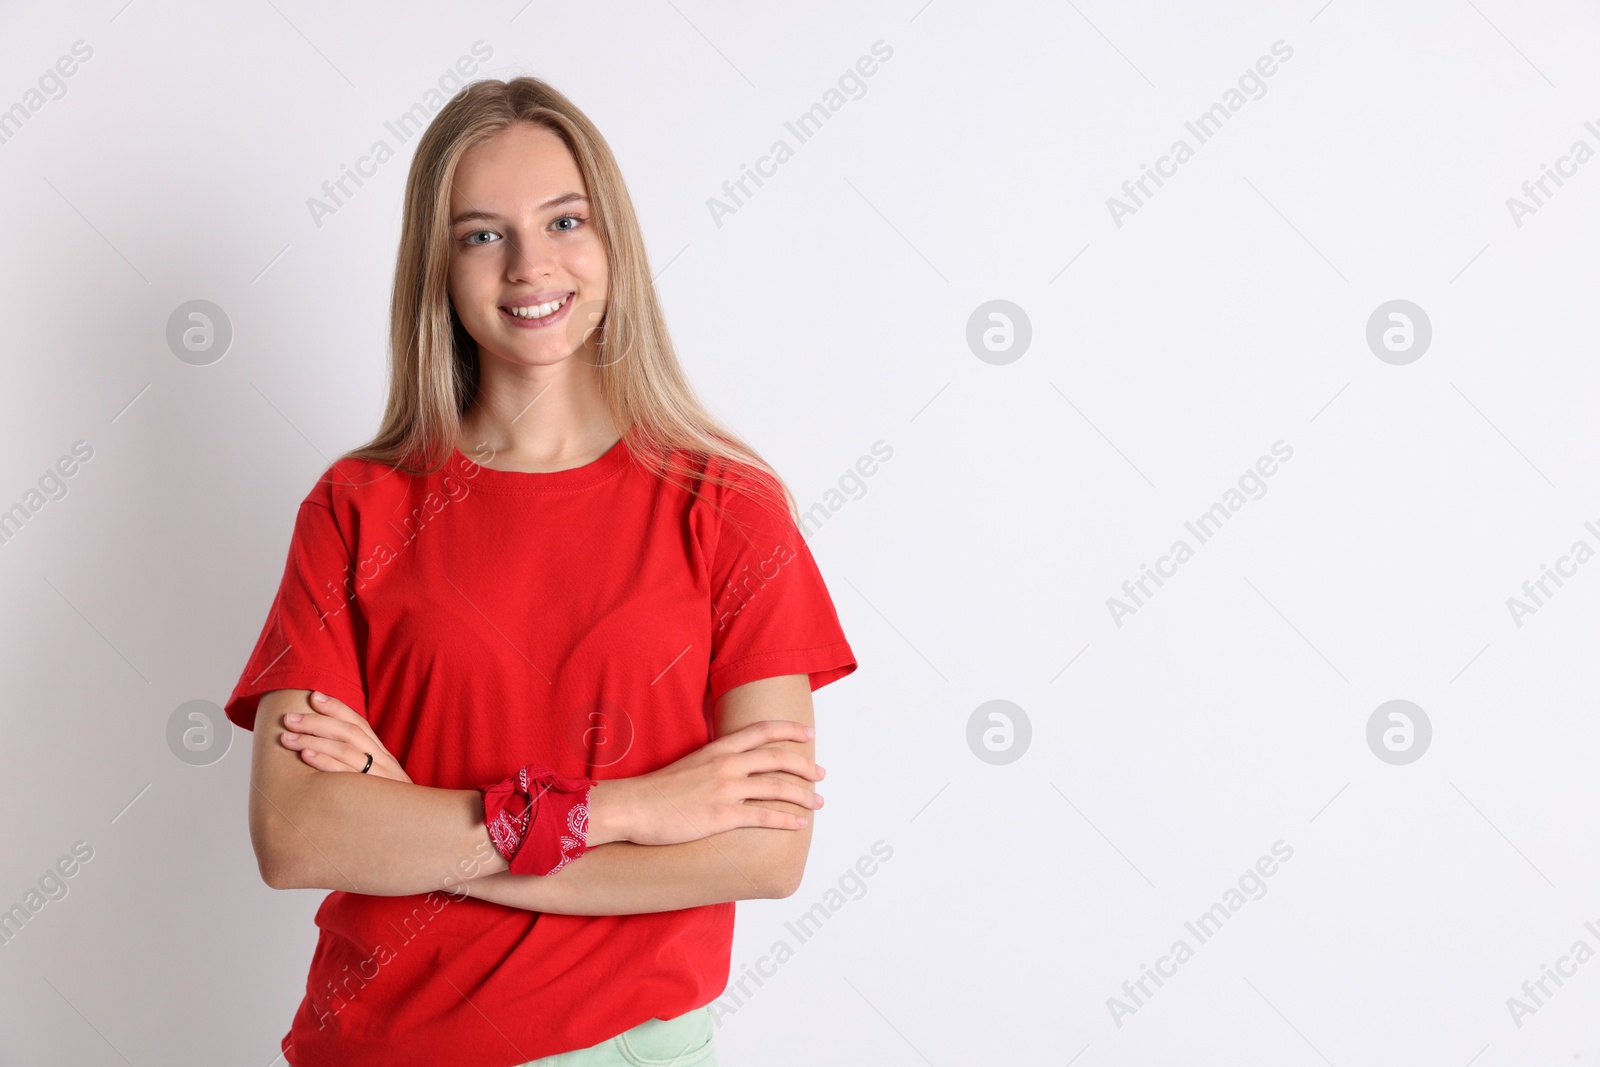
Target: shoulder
{"points": [[351, 484], [731, 485], [737, 505]]}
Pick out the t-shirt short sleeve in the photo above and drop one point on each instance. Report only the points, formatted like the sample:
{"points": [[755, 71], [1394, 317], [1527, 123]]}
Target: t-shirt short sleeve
{"points": [[314, 635], [771, 611]]}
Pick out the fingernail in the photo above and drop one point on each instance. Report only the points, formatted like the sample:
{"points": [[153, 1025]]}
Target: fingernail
{"points": [[294, 716], [801, 820], [811, 731], [821, 769], [317, 696]]}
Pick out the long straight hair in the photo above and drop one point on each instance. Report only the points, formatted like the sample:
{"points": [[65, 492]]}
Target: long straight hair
{"points": [[434, 368]]}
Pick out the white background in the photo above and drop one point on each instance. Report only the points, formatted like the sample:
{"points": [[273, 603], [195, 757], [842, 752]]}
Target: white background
{"points": [[827, 313]]}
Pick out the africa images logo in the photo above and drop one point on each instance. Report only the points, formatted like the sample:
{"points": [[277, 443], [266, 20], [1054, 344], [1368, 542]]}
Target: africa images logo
{"points": [[749, 584]]}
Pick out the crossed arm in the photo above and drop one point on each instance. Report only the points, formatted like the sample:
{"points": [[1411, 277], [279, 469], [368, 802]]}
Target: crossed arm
{"points": [[318, 830]]}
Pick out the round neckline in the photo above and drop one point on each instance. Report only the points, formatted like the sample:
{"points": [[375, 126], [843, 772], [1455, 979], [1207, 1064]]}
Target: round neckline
{"points": [[592, 473]]}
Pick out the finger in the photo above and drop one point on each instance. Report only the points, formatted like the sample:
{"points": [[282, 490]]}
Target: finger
{"points": [[765, 732], [360, 731], [310, 755], [778, 758], [325, 754], [349, 757], [326, 726], [772, 818], [346, 741], [333, 706], [316, 724], [762, 787]]}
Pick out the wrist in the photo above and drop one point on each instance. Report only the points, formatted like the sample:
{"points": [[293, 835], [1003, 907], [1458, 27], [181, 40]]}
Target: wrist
{"points": [[608, 812]]}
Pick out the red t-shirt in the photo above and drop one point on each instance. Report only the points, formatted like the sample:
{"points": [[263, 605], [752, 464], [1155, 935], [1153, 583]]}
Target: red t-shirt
{"points": [[587, 619]]}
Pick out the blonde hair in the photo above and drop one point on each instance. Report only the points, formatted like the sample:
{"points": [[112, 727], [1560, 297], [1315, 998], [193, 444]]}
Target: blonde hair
{"points": [[434, 367]]}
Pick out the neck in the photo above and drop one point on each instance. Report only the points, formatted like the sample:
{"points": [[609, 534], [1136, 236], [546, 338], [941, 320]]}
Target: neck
{"points": [[537, 416]]}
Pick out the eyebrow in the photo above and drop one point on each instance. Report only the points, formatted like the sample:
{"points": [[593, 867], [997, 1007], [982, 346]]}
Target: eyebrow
{"points": [[489, 216]]}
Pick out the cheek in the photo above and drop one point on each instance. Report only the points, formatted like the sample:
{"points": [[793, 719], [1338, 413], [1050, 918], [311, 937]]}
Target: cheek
{"points": [[589, 264], [470, 288]]}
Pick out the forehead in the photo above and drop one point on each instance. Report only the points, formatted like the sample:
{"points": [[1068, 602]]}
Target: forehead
{"points": [[514, 171]]}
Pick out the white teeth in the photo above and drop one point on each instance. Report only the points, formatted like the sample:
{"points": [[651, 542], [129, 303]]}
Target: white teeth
{"points": [[539, 311]]}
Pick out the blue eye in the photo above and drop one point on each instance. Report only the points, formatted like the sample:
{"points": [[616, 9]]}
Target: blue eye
{"points": [[574, 218], [477, 233]]}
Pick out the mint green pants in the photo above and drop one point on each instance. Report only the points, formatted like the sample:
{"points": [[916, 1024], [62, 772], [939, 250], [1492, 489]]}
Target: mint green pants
{"points": [[682, 1041]]}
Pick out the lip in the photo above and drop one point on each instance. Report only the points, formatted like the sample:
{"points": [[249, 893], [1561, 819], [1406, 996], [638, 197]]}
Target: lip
{"points": [[537, 324], [536, 298]]}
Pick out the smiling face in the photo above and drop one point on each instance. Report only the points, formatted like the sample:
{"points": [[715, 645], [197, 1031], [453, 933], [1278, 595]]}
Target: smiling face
{"points": [[527, 267]]}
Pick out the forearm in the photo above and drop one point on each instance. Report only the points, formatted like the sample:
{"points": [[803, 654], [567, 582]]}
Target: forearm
{"points": [[325, 829], [388, 838], [623, 878], [376, 836]]}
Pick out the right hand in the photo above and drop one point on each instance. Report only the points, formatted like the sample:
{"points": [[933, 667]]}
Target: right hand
{"points": [[704, 793]]}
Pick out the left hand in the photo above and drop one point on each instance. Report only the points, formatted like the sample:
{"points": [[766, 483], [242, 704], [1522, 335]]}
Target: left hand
{"points": [[334, 738]]}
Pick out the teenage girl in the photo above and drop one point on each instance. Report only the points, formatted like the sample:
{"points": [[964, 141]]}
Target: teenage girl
{"points": [[611, 589]]}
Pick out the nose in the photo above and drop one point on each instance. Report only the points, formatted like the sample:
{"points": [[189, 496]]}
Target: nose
{"points": [[526, 258]]}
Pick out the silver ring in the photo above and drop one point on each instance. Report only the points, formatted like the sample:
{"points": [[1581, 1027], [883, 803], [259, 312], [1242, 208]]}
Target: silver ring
{"points": [[368, 767]]}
